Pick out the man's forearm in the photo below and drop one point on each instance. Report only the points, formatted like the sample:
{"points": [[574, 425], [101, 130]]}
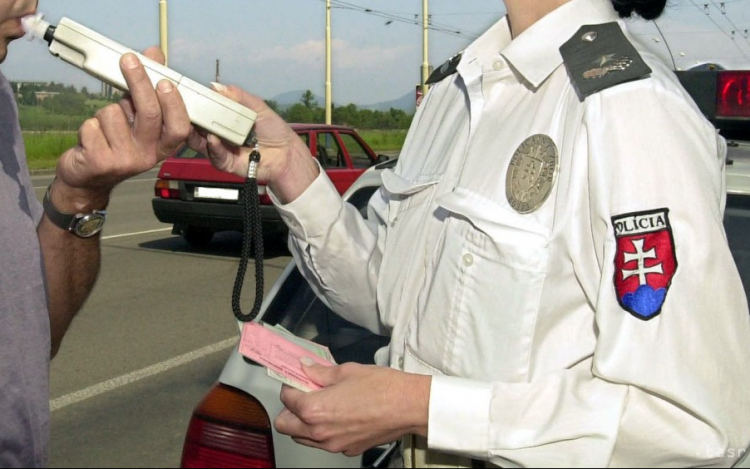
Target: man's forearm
{"points": [[72, 266], [71, 263]]}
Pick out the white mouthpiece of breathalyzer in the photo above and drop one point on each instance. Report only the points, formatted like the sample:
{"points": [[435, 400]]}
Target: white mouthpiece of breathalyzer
{"points": [[34, 26]]}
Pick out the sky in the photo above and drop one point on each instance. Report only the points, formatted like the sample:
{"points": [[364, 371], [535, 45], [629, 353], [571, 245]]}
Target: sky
{"points": [[270, 47]]}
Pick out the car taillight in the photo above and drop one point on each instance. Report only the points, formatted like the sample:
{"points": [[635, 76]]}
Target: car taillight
{"points": [[265, 200], [733, 94], [167, 189], [229, 428]]}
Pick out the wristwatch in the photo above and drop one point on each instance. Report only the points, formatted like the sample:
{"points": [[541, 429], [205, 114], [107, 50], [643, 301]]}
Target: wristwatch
{"points": [[83, 225]]}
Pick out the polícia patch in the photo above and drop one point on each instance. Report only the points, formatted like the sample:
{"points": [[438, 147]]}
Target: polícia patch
{"points": [[645, 261]]}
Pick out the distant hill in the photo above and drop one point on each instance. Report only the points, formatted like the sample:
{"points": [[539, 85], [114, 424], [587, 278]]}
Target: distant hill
{"points": [[291, 98], [405, 103]]}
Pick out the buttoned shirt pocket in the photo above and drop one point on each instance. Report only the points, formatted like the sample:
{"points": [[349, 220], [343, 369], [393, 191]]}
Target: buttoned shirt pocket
{"points": [[404, 194], [409, 206], [482, 288]]}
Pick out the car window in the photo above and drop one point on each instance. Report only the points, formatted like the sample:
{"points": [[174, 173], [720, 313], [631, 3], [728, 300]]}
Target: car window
{"points": [[296, 308], [329, 151], [305, 138], [360, 157], [188, 153]]}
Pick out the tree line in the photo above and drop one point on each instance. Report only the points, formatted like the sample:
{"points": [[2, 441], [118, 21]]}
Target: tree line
{"points": [[66, 100], [58, 98], [307, 111]]}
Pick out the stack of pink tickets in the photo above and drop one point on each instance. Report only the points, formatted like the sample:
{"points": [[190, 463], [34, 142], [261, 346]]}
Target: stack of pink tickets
{"points": [[280, 352]]}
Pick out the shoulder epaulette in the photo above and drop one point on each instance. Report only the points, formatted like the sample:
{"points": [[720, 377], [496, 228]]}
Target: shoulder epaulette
{"points": [[599, 56], [444, 71]]}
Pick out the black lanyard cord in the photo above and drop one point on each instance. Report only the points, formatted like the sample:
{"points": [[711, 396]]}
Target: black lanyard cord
{"points": [[252, 234]]}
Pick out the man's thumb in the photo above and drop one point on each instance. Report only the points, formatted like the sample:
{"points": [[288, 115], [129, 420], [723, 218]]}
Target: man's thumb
{"points": [[237, 94], [320, 374]]}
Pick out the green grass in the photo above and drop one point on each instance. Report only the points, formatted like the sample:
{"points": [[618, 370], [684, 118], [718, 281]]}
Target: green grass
{"points": [[384, 140], [36, 118], [47, 135], [43, 148], [96, 104]]}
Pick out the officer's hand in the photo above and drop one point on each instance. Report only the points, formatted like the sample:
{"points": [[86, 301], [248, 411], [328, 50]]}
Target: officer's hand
{"points": [[123, 139], [285, 165], [359, 407]]}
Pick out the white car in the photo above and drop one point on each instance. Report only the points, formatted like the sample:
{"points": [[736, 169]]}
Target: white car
{"points": [[233, 424]]}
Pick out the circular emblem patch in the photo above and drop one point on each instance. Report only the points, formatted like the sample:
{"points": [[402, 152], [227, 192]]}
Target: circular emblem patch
{"points": [[531, 173]]}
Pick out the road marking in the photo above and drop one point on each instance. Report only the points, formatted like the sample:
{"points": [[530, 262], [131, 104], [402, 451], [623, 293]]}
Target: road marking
{"points": [[135, 234], [112, 384]]}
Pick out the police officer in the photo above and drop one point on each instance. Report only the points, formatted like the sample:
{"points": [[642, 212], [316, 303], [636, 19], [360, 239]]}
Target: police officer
{"points": [[548, 257]]}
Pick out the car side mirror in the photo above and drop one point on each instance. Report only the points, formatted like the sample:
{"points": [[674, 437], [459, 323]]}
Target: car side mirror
{"points": [[382, 158]]}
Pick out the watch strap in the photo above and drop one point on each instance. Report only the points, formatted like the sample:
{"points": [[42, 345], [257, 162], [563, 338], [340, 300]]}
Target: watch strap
{"points": [[63, 220], [60, 219]]}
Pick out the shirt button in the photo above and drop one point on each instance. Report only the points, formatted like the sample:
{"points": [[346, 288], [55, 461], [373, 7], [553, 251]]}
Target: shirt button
{"points": [[468, 259], [497, 65], [401, 363]]}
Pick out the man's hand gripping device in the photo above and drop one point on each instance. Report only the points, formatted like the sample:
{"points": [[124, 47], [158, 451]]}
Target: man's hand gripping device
{"points": [[100, 57], [217, 114]]}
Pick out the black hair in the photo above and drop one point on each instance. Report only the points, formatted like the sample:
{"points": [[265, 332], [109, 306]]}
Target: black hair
{"points": [[646, 9]]}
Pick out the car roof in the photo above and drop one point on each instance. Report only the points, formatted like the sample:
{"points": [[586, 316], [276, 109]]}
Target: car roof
{"points": [[371, 177], [319, 127]]}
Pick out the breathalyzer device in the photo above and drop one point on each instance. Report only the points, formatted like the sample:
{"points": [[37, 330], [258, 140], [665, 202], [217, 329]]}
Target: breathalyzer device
{"points": [[99, 56]]}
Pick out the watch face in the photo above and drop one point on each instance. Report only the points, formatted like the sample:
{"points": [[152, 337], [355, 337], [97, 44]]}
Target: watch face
{"points": [[89, 225]]}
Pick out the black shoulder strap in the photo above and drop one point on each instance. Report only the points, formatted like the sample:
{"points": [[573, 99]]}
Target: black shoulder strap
{"points": [[444, 71], [599, 56]]}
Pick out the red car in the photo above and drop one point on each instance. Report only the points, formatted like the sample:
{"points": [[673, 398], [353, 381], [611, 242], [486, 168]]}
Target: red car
{"points": [[199, 200]]}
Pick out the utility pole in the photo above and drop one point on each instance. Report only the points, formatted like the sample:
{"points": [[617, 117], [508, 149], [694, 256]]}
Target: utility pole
{"points": [[425, 46], [163, 30], [329, 99], [218, 73]]}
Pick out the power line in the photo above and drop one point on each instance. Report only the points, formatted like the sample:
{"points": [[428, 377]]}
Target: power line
{"points": [[682, 6], [396, 18], [723, 11], [476, 13], [704, 10], [687, 33]]}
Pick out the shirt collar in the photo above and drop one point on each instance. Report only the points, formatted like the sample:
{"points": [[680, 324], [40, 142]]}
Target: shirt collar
{"points": [[535, 53]]}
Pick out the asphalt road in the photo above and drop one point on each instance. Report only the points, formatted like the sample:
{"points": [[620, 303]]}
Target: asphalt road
{"points": [[149, 342]]}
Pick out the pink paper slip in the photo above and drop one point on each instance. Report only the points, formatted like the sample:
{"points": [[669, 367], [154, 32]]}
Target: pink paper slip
{"points": [[279, 354]]}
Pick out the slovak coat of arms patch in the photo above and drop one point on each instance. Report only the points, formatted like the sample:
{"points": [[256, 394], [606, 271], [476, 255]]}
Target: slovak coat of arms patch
{"points": [[645, 261]]}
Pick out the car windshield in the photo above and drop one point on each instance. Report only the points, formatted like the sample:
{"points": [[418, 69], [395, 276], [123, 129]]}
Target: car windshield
{"points": [[296, 308]]}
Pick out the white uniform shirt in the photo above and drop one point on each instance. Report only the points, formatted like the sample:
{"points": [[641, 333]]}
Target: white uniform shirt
{"points": [[535, 360]]}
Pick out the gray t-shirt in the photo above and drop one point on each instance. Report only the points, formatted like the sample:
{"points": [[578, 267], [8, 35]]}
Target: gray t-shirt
{"points": [[24, 319]]}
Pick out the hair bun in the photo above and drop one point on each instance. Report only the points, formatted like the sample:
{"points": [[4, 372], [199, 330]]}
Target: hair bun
{"points": [[646, 9]]}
